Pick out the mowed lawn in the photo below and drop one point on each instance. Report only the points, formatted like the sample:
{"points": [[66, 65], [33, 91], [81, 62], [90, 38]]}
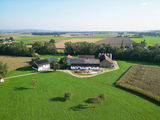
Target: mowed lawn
{"points": [[19, 101], [149, 40]]}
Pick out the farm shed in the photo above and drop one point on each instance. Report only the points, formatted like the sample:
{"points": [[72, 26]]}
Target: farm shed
{"points": [[86, 56], [84, 64], [43, 65]]}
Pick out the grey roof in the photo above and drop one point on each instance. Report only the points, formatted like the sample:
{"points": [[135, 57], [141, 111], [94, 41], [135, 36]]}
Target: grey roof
{"points": [[41, 62], [45, 61], [84, 61], [51, 60], [86, 56]]}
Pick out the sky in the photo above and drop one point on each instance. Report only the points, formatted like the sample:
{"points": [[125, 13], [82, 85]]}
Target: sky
{"points": [[80, 15]]}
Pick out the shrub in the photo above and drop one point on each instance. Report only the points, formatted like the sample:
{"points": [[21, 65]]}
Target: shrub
{"points": [[34, 82], [102, 96], [95, 101], [67, 95]]}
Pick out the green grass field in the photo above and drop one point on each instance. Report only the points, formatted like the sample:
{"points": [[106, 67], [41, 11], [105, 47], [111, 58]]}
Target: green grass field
{"points": [[19, 101], [149, 40]]}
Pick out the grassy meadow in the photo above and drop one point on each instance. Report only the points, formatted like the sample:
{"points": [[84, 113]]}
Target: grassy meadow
{"points": [[149, 40], [18, 100]]}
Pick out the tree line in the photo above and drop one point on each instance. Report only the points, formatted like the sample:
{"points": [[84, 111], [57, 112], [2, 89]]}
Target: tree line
{"points": [[138, 53], [21, 49], [16, 49]]}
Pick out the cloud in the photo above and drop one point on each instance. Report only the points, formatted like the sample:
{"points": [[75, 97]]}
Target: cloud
{"points": [[145, 3]]}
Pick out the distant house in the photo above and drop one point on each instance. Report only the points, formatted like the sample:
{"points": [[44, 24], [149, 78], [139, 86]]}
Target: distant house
{"points": [[128, 46], [43, 65], [84, 64], [106, 61], [5, 41]]}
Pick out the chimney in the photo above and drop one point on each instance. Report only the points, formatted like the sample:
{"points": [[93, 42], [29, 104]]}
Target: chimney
{"points": [[110, 56]]}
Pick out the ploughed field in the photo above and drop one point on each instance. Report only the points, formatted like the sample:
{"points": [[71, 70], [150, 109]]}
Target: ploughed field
{"points": [[142, 79], [116, 41], [20, 101]]}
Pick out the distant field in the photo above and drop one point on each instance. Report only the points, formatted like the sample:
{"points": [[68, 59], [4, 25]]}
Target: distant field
{"points": [[142, 79], [61, 44], [30, 39], [115, 41], [149, 40], [15, 62], [53, 56]]}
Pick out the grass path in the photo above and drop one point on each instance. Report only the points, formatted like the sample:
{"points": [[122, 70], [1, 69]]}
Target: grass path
{"points": [[22, 75]]}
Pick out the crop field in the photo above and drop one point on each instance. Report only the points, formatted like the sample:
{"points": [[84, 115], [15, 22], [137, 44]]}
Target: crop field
{"points": [[142, 79], [61, 44], [149, 40], [116, 41], [19, 100], [60, 41], [15, 62]]}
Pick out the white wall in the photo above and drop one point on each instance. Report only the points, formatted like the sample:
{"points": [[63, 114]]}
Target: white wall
{"points": [[44, 67], [84, 68]]}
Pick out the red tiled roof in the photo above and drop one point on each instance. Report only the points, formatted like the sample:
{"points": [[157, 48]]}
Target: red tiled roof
{"points": [[107, 58], [69, 57]]}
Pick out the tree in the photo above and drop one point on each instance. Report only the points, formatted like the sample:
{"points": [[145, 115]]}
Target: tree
{"points": [[157, 59], [95, 101], [67, 95], [3, 69], [63, 63], [54, 66], [11, 38], [122, 45], [34, 82], [102, 96], [52, 41]]}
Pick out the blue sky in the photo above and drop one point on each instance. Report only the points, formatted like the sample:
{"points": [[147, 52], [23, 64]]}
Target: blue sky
{"points": [[80, 15]]}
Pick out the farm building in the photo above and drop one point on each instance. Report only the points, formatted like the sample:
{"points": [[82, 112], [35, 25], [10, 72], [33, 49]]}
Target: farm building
{"points": [[69, 57], [43, 65], [84, 64], [86, 56], [106, 60]]}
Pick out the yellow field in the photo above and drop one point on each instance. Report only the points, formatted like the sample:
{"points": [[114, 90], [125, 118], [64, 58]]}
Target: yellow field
{"points": [[60, 44]]}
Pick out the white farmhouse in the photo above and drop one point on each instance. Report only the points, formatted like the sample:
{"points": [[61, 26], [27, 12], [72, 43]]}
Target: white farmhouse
{"points": [[43, 65]]}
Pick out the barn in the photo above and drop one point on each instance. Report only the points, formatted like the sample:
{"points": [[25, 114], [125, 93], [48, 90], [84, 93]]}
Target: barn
{"points": [[106, 61], [84, 64], [43, 65]]}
